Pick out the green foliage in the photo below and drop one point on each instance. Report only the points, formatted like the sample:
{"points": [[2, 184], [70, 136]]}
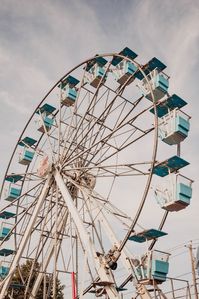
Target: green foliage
{"points": [[17, 288]]}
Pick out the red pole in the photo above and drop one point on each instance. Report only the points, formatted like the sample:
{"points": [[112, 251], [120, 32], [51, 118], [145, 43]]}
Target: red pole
{"points": [[74, 295]]}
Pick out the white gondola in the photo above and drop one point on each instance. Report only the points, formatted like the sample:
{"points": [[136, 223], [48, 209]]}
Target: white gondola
{"points": [[159, 84], [4, 269], [12, 192], [95, 72], [176, 194], [45, 124], [153, 266], [25, 156], [69, 96], [45, 119], [95, 75], [5, 229], [69, 91], [174, 127], [26, 153], [123, 71]]}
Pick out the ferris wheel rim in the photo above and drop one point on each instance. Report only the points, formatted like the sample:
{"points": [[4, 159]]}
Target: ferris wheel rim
{"points": [[155, 131]]}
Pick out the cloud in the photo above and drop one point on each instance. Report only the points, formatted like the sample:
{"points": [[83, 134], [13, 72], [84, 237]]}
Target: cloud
{"points": [[10, 102], [42, 40]]}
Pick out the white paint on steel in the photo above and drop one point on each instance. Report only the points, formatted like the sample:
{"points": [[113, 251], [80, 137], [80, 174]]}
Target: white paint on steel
{"points": [[104, 273], [26, 236]]}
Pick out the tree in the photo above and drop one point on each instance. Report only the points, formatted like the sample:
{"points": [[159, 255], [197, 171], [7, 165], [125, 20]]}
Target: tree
{"points": [[17, 287]]}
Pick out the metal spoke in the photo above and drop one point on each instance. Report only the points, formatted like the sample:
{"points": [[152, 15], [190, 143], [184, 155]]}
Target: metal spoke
{"points": [[67, 220]]}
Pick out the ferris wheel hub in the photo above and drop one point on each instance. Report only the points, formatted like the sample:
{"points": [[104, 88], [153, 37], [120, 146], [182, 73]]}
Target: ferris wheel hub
{"points": [[89, 180], [85, 180]]}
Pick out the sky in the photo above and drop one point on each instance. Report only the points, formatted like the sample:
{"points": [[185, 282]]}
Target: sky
{"points": [[41, 40]]}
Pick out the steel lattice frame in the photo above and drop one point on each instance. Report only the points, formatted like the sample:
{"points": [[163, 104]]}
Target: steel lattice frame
{"points": [[66, 219]]}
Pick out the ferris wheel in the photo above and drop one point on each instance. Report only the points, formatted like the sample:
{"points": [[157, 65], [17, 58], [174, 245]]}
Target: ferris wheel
{"points": [[86, 192]]}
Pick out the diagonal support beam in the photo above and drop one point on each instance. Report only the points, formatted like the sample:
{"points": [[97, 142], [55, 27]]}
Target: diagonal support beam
{"points": [[7, 281], [126, 256], [105, 274], [48, 256]]}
